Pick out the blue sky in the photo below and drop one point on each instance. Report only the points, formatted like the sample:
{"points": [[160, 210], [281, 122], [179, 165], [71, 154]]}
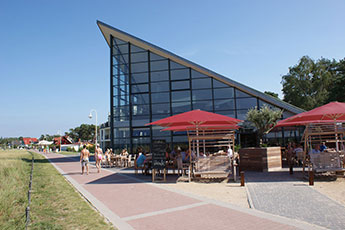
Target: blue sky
{"points": [[54, 62]]}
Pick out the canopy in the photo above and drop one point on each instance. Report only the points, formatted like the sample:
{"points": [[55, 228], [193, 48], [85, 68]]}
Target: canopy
{"points": [[196, 118], [44, 142], [201, 127], [331, 112]]}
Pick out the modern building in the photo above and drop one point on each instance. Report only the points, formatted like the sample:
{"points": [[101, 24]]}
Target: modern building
{"points": [[148, 83]]}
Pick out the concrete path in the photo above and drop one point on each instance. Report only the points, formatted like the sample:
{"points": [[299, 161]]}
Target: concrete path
{"points": [[285, 195], [130, 203]]}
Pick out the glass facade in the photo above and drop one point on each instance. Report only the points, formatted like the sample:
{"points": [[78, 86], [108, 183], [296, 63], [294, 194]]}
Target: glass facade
{"points": [[147, 87]]}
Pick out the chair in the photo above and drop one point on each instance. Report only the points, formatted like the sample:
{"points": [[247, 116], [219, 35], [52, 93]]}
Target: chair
{"points": [[129, 161]]}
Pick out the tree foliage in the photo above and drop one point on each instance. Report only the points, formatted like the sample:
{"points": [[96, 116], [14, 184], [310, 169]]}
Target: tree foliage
{"points": [[263, 119], [84, 132], [310, 83], [273, 94]]}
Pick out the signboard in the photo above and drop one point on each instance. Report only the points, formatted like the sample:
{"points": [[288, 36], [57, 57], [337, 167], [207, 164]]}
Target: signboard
{"points": [[158, 154]]}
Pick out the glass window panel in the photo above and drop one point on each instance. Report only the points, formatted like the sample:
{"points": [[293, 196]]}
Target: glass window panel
{"points": [[140, 120], [156, 117], [160, 86], [223, 93], [141, 132], [122, 58], [140, 141], [174, 65], [229, 113], [180, 85], [121, 119], [124, 79], [224, 104], [242, 114], [179, 74], [157, 131], [196, 74], [142, 88], [160, 76], [287, 114], [180, 107], [121, 100], [120, 49], [122, 89], [121, 133], [203, 105], [139, 57], [180, 95], [139, 67], [138, 99], [262, 103], [177, 139], [241, 94], [155, 57], [140, 78], [140, 110], [159, 65], [121, 68], [161, 108], [203, 94], [121, 111], [160, 97], [118, 41], [246, 103], [218, 84], [203, 83], [136, 49]]}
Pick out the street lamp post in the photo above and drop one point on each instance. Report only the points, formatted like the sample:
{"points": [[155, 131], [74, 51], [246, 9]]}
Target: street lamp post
{"points": [[90, 116]]}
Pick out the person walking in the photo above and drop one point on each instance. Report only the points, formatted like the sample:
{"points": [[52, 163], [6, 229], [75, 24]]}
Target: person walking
{"points": [[84, 160], [98, 157]]}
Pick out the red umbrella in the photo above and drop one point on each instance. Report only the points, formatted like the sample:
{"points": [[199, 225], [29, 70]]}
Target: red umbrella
{"points": [[196, 118], [331, 112], [201, 127]]}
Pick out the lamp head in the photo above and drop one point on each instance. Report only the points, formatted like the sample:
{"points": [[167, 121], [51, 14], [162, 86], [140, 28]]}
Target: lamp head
{"points": [[90, 115]]}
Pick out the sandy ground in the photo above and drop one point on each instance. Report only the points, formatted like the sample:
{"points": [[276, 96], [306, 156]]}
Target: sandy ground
{"points": [[226, 192], [333, 189]]}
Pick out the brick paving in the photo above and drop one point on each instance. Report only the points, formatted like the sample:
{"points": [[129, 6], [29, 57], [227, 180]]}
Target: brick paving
{"points": [[286, 196], [130, 203]]}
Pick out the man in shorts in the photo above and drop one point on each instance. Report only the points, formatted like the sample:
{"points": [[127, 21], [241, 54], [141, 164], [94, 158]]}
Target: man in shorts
{"points": [[84, 160]]}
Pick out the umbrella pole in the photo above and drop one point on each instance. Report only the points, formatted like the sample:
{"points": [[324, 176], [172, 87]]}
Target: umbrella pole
{"points": [[204, 142], [197, 141]]}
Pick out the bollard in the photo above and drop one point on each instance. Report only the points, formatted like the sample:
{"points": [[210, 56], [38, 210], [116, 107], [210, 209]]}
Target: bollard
{"points": [[311, 178], [291, 169], [242, 178]]}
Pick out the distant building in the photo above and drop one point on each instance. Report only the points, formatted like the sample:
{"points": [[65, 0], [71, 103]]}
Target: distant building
{"points": [[29, 141], [104, 135], [65, 140]]}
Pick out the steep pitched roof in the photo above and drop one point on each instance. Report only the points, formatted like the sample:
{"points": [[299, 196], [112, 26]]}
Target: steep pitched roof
{"points": [[108, 30]]}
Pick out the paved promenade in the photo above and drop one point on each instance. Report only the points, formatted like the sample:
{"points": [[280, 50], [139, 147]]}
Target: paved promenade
{"points": [[130, 203], [285, 195]]}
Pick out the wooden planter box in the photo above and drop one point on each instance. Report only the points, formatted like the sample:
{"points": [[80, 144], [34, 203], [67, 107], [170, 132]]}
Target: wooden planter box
{"points": [[260, 159]]}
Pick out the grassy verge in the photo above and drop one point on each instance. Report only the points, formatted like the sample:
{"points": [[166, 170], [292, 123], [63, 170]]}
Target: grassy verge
{"points": [[69, 153], [55, 204]]}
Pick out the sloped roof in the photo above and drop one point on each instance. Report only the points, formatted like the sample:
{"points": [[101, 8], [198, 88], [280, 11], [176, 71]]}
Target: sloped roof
{"points": [[108, 30]]}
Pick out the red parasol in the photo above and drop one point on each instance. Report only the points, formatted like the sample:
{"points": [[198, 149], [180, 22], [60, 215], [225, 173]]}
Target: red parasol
{"points": [[201, 127], [196, 118], [331, 112]]}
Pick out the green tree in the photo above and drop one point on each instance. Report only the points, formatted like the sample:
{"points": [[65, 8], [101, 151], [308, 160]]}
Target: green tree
{"points": [[84, 132], [272, 94], [263, 119], [307, 84], [337, 92]]}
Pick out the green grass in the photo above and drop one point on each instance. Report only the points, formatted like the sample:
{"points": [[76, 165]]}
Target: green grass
{"points": [[54, 202], [69, 153]]}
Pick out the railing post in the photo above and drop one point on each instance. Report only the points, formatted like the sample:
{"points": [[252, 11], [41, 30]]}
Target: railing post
{"points": [[242, 178], [311, 178]]}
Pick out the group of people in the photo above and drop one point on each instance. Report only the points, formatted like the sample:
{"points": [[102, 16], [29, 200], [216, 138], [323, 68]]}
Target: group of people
{"points": [[295, 152]]}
